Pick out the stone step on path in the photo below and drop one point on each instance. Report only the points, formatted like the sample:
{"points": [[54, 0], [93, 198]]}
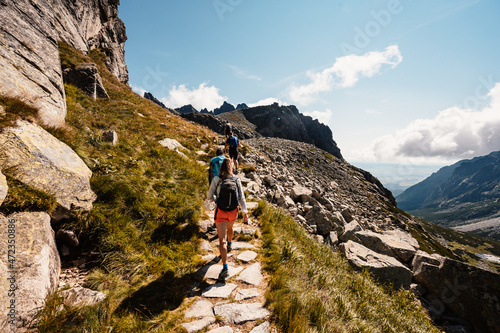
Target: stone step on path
{"points": [[236, 305]]}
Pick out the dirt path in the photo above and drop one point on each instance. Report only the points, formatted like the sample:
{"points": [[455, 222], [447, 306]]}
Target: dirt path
{"points": [[237, 305]]}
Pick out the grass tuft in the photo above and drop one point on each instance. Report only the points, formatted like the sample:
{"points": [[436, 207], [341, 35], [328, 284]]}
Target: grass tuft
{"points": [[16, 108]]}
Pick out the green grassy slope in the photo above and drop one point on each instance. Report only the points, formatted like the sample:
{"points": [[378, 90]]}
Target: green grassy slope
{"points": [[314, 289], [144, 222]]}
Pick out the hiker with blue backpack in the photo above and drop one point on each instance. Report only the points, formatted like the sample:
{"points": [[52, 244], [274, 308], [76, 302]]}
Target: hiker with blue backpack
{"points": [[227, 192], [233, 144], [215, 164]]}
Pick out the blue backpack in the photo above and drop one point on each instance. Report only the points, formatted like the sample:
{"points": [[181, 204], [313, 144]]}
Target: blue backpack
{"points": [[233, 141], [215, 164]]}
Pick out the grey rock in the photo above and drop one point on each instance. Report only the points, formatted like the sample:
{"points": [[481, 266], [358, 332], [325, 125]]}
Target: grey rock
{"points": [[80, 296], [240, 313], [349, 230], [36, 268], [270, 181], [110, 137], [418, 289], [205, 246], [252, 275], [47, 164], [468, 291], [300, 193], [29, 55], [347, 213], [200, 309], [3, 188], [424, 257], [384, 268], [247, 256], [332, 240], [262, 328], [224, 329], [214, 270], [86, 77], [325, 221], [67, 237], [243, 294], [219, 290], [171, 144], [209, 257], [198, 325], [242, 245], [388, 244]]}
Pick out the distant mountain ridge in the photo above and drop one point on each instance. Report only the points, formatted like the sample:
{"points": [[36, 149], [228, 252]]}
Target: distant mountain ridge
{"points": [[465, 192], [284, 122]]}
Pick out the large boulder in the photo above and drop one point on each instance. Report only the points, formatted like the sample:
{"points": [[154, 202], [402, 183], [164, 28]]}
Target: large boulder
{"points": [[45, 163], [3, 188], [383, 268], [86, 77], [349, 230], [470, 292], [29, 54], [397, 245], [300, 193], [29, 267], [324, 221]]}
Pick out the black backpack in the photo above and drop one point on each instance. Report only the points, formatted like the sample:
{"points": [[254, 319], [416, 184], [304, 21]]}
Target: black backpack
{"points": [[228, 197]]}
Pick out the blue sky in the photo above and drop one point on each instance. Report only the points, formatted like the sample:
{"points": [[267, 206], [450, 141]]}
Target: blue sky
{"points": [[399, 82]]}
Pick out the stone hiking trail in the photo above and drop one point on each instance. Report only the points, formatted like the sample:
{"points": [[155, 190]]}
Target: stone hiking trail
{"points": [[237, 305]]}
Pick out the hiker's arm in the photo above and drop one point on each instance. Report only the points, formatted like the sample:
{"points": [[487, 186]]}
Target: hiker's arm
{"points": [[211, 191], [242, 202]]}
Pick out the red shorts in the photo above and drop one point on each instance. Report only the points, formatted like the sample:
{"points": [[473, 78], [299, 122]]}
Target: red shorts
{"points": [[223, 216]]}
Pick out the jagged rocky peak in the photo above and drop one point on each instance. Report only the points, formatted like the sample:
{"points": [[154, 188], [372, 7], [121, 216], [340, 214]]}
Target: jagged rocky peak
{"points": [[29, 55], [186, 109], [241, 106], [288, 123], [225, 107], [149, 96]]}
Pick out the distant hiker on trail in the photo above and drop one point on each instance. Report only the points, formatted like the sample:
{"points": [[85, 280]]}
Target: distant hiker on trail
{"points": [[215, 164], [228, 129], [227, 192], [232, 142]]}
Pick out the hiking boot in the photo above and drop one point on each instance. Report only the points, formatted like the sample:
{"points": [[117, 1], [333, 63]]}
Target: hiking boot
{"points": [[223, 274]]}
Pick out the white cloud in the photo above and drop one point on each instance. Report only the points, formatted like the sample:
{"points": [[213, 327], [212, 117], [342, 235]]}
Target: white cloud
{"points": [[266, 101], [454, 134], [322, 116], [138, 90], [344, 73], [202, 97]]}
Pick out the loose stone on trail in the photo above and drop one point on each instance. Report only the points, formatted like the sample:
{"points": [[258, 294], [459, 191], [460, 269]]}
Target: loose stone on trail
{"points": [[220, 290]]}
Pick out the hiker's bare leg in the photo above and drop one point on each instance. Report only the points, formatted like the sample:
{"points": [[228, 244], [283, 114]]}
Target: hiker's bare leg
{"points": [[221, 231], [230, 231]]}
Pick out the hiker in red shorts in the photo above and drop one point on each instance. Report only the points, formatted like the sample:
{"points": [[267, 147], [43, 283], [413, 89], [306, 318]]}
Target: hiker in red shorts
{"points": [[227, 192]]}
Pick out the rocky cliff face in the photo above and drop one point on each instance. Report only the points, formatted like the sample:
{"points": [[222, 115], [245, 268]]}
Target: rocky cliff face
{"points": [[29, 57]]}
